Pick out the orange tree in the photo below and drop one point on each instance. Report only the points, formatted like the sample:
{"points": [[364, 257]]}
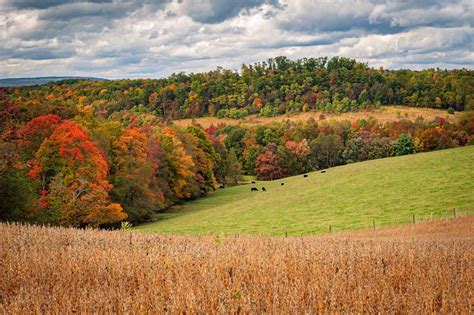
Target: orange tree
{"points": [[73, 176]]}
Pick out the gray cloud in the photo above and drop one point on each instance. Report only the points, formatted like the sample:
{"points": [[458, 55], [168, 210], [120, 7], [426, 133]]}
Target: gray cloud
{"points": [[68, 12], [146, 38], [44, 4], [215, 11]]}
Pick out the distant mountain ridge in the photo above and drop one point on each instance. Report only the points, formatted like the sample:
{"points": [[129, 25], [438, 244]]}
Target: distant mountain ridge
{"points": [[11, 82]]}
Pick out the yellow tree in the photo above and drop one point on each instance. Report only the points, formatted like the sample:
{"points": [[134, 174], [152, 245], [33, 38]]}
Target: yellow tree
{"points": [[179, 163], [133, 178]]}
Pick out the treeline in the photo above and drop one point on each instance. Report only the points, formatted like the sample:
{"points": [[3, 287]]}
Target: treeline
{"points": [[269, 88], [287, 148]]}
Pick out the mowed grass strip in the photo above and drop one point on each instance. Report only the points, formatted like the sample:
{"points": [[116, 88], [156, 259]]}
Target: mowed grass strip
{"points": [[347, 197]]}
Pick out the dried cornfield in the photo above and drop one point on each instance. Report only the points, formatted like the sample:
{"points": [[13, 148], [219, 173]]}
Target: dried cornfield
{"points": [[421, 269]]}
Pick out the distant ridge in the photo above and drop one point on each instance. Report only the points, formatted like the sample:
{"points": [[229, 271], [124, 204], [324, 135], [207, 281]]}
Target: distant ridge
{"points": [[11, 82]]}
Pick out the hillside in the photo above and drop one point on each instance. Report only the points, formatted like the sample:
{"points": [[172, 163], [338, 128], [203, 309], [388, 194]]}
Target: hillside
{"points": [[12, 82], [348, 197], [270, 88]]}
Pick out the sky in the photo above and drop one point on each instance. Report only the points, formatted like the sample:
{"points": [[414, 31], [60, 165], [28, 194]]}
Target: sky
{"points": [[152, 39]]}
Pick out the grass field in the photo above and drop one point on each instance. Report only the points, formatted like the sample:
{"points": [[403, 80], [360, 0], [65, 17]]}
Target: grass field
{"points": [[385, 113], [421, 269], [348, 197]]}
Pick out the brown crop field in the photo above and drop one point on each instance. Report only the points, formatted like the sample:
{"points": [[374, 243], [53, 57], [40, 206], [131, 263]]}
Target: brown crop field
{"points": [[421, 268], [384, 114]]}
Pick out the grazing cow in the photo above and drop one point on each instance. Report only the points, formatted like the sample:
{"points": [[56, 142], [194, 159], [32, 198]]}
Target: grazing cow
{"points": [[323, 171], [254, 189], [253, 182], [263, 189], [282, 184], [221, 186], [305, 175]]}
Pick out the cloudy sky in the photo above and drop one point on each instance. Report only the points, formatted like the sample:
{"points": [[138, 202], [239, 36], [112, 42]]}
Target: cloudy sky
{"points": [[146, 38]]}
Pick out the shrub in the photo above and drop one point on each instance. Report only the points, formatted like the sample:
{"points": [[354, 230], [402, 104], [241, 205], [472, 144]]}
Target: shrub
{"points": [[404, 145]]}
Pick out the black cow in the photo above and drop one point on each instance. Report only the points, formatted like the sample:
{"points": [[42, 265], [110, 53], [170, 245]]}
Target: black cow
{"points": [[263, 189], [221, 186], [254, 189], [323, 171], [282, 184], [305, 175], [253, 182]]}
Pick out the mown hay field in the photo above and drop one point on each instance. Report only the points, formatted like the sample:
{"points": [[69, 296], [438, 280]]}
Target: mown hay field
{"points": [[383, 114], [422, 268]]}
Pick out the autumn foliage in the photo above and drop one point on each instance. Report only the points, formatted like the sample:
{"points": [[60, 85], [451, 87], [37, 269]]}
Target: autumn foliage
{"points": [[36, 131], [135, 186], [266, 166], [273, 87], [72, 174]]}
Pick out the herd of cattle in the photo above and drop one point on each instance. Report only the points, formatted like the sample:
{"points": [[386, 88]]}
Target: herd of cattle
{"points": [[282, 184], [263, 188]]}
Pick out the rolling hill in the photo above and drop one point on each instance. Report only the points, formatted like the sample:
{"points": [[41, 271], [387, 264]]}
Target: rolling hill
{"points": [[350, 197], [12, 82]]}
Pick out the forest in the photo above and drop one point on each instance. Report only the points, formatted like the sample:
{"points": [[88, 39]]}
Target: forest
{"points": [[82, 153], [274, 87]]}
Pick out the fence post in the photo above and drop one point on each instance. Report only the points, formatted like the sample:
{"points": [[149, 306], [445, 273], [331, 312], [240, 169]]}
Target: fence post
{"points": [[286, 233], [454, 212], [414, 218], [373, 223], [330, 228]]}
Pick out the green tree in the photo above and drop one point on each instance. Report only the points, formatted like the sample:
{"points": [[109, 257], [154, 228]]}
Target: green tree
{"points": [[233, 167], [404, 145], [326, 151]]}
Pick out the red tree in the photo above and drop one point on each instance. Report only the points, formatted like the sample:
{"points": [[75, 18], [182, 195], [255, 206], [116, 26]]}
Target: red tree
{"points": [[35, 132], [266, 166]]}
